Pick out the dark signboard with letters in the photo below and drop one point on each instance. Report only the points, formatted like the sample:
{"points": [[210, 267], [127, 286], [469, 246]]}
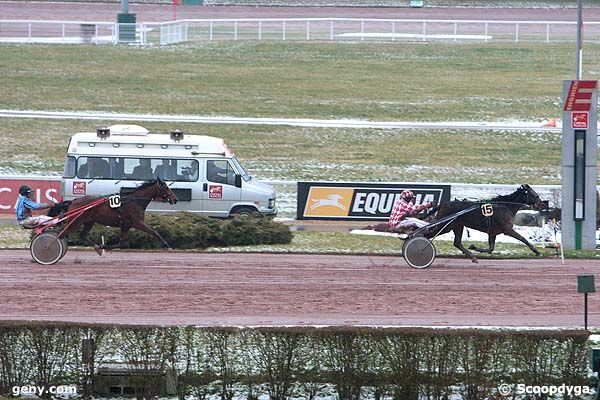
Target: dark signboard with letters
{"points": [[360, 201]]}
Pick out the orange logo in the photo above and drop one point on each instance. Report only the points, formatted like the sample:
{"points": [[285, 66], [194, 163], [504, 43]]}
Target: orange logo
{"points": [[328, 202]]}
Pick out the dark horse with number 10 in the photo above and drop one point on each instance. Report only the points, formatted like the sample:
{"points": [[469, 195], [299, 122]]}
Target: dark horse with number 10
{"points": [[127, 212], [503, 210]]}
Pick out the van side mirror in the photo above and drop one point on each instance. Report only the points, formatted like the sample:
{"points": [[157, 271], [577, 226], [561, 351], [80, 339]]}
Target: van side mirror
{"points": [[238, 180]]}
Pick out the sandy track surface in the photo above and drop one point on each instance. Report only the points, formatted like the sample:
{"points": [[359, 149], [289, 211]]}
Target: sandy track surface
{"points": [[275, 289], [107, 12]]}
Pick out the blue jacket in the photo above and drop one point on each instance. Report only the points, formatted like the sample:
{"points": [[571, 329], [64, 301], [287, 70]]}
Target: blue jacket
{"points": [[24, 204]]}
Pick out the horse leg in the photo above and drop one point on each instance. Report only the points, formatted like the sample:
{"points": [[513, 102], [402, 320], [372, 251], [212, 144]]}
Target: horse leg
{"points": [[123, 240], [512, 233], [491, 245], [142, 226], [87, 227], [458, 231]]}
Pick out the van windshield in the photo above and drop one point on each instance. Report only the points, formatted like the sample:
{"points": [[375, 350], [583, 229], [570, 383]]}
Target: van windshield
{"points": [[139, 169], [241, 170]]}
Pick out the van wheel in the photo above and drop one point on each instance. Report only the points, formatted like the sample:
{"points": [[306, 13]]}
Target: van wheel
{"points": [[245, 212]]}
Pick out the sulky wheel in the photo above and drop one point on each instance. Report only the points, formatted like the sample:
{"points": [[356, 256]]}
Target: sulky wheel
{"points": [[65, 246], [47, 248], [418, 252]]}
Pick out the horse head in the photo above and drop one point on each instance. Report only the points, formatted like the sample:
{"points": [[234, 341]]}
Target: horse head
{"points": [[531, 198], [165, 194], [59, 208]]}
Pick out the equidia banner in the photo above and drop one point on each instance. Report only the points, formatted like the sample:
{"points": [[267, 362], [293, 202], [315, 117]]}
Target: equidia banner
{"points": [[363, 201]]}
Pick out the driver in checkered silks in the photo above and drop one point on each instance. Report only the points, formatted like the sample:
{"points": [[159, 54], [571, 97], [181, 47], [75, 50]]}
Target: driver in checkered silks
{"points": [[402, 218], [25, 205]]}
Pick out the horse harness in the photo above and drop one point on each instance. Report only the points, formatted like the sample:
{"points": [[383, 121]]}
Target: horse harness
{"points": [[120, 201]]}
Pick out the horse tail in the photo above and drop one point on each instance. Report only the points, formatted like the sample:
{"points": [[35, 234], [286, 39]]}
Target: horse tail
{"points": [[59, 208]]}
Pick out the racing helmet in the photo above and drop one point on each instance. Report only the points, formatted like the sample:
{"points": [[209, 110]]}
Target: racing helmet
{"points": [[24, 190], [407, 194]]}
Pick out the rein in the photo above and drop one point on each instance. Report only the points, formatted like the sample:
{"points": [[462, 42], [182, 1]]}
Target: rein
{"points": [[482, 202], [447, 220], [132, 196]]}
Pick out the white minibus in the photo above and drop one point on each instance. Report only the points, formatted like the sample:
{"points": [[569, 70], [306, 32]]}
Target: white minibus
{"points": [[202, 171]]}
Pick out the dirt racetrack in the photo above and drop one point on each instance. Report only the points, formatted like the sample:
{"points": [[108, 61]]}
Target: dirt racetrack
{"points": [[279, 289], [275, 289]]}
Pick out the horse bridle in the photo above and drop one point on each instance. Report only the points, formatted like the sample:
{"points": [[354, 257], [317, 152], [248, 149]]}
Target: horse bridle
{"points": [[163, 195], [529, 199]]}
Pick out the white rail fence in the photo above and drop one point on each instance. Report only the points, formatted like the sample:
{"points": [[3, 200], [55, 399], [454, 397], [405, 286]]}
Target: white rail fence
{"points": [[293, 29]]}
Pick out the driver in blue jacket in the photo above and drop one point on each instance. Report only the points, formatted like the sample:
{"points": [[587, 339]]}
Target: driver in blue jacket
{"points": [[25, 205]]}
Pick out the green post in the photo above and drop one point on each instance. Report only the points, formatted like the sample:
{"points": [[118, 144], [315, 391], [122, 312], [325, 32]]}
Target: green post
{"points": [[126, 27], [578, 235], [585, 285]]}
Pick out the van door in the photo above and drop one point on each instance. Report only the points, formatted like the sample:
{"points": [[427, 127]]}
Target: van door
{"points": [[182, 176], [219, 190], [93, 178]]}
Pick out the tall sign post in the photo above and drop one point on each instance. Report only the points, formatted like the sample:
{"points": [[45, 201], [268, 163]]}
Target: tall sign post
{"points": [[579, 39], [579, 164]]}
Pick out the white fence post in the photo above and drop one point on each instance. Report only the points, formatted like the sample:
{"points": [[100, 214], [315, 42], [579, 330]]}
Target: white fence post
{"points": [[455, 30], [362, 29], [175, 32], [486, 32], [331, 30]]}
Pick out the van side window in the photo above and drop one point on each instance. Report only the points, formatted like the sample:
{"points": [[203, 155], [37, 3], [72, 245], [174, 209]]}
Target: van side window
{"points": [[139, 169], [70, 167], [143, 171], [93, 167], [187, 170], [220, 171], [166, 170], [116, 168]]}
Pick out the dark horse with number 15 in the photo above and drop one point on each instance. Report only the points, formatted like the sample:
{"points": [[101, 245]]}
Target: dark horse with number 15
{"points": [[126, 213], [502, 209]]}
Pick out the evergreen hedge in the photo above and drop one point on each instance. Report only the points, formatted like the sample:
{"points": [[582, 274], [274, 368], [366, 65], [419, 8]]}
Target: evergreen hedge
{"points": [[352, 363], [185, 230]]}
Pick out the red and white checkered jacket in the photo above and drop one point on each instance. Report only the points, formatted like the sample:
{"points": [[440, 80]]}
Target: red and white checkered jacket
{"points": [[403, 209]]}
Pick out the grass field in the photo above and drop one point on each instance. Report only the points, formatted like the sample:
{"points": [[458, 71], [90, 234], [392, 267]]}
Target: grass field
{"points": [[325, 154], [379, 81], [391, 81]]}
